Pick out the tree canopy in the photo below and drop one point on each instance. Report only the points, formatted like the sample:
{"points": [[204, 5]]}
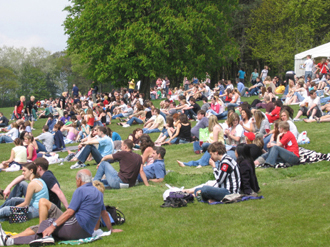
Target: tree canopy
{"points": [[143, 39]]}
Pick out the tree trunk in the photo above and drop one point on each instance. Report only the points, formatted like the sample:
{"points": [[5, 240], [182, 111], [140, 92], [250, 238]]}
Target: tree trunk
{"points": [[145, 87]]}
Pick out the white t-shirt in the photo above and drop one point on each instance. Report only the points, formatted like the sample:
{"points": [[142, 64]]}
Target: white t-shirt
{"points": [[308, 65], [311, 101], [293, 129], [264, 73]]}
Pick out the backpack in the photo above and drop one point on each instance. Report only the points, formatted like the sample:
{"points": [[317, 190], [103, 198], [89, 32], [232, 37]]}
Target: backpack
{"points": [[117, 215]]}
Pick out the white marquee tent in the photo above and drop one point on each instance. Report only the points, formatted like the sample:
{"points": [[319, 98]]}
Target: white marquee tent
{"points": [[316, 52]]}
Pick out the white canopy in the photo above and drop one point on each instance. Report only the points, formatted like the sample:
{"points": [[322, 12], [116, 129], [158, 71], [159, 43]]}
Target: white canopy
{"points": [[316, 52]]}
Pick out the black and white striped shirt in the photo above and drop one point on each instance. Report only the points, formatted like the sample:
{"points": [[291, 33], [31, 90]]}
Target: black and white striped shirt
{"points": [[227, 174]]}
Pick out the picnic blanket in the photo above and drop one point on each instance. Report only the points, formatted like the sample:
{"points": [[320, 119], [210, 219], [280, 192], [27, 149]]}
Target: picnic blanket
{"points": [[98, 234], [306, 156], [238, 199]]}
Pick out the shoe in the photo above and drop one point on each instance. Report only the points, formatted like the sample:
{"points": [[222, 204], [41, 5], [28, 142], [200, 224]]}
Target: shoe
{"points": [[126, 125], [33, 129], [197, 152], [43, 241], [199, 196], [2, 236], [77, 165], [296, 120], [69, 157]]}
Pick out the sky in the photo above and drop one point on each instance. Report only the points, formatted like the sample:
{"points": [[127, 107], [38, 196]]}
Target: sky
{"points": [[33, 23]]}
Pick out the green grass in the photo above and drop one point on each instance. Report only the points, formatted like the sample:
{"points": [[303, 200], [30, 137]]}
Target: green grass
{"points": [[293, 212]]}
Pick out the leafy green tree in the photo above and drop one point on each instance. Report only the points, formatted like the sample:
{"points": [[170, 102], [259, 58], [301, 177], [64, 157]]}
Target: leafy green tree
{"points": [[142, 39], [280, 29], [8, 85]]}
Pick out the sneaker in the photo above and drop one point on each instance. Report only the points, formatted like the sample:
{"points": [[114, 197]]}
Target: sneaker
{"points": [[2, 236], [33, 129], [69, 157], [297, 119], [77, 165], [126, 125], [43, 241]]}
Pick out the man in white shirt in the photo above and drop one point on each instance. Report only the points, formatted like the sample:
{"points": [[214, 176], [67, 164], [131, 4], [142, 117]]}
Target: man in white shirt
{"points": [[310, 107], [308, 65], [158, 123]]}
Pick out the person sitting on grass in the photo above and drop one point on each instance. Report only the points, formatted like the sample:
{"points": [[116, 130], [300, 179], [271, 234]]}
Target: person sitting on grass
{"points": [[285, 149], [18, 157], [47, 140], [202, 123], [36, 190], [105, 148], [249, 181], [310, 107], [129, 167], [58, 138], [226, 173], [11, 135], [155, 172], [158, 123], [77, 222], [182, 132]]}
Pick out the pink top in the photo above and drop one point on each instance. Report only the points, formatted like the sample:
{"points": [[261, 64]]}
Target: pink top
{"points": [[34, 153], [215, 107]]}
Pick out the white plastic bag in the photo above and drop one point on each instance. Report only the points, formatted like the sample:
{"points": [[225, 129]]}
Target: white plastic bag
{"points": [[302, 138]]}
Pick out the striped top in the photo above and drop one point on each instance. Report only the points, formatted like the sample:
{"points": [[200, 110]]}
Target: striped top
{"points": [[227, 174]]}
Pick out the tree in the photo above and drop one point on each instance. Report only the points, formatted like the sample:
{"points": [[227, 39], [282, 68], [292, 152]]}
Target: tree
{"points": [[280, 29], [8, 85], [142, 39]]}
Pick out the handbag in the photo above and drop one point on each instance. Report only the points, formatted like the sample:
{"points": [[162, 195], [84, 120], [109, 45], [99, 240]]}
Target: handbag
{"points": [[18, 214]]}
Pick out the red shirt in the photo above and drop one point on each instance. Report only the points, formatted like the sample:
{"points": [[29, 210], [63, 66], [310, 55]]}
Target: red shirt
{"points": [[105, 102], [322, 67], [289, 143]]}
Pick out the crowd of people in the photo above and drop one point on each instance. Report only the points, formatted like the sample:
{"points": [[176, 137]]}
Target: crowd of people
{"points": [[247, 138]]}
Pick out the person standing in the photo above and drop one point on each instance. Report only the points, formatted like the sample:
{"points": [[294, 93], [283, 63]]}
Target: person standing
{"points": [[167, 85], [241, 75], [131, 86], [94, 89], [61, 104], [19, 107], [28, 111], [75, 90], [254, 76], [308, 65]]}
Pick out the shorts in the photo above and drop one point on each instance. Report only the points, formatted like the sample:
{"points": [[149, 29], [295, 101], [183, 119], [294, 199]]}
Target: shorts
{"points": [[304, 110], [53, 212]]}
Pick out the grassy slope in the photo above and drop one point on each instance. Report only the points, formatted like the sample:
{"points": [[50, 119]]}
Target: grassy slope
{"points": [[292, 213]]}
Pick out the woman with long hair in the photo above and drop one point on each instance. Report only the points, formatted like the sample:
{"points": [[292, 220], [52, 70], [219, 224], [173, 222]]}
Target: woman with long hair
{"points": [[36, 190], [246, 121], [182, 132], [235, 132], [249, 181], [261, 124], [135, 137], [147, 147]]}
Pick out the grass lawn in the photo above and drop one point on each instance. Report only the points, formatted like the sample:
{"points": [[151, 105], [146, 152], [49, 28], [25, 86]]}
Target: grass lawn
{"points": [[293, 212]]}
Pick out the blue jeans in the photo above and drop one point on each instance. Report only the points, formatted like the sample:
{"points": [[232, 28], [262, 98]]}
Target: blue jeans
{"points": [[213, 193], [148, 131], [19, 190], [190, 113], [266, 141], [87, 150], [41, 147], [278, 154], [232, 104], [286, 89], [181, 141], [134, 119], [204, 146], [5, 212], [222, 116], [118, 115], [254, 91], [299, 97], [12, 202], [6, 139], [111, 175], [204, 161], [212, 112], [324, 100], [98, 123], [186, 87], [163, 114], [308, 73]]}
